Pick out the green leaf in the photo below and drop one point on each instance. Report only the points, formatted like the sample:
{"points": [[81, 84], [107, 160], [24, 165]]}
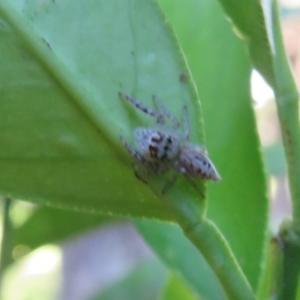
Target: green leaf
{"points": [[251, 23], [238, 205], [181, 256], [62, 66], [176, 290], [81, 154], [51, 225]]}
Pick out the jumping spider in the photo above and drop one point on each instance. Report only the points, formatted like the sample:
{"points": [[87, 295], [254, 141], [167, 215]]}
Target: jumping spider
{"points": [[161, 148]]}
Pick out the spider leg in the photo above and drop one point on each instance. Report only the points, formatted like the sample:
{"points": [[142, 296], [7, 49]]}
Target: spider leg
{"points": [[144, 108], [148, 165], [138, 175], [164, 110], [170, 182], [186, 124], [133, 153], [192, 183]]}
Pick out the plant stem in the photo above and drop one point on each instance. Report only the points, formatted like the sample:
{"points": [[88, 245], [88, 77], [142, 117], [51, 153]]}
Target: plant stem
{"points": [[208, 239], [291, 262], [271, 277], [5, 242], [213, 246], [287, 101]]}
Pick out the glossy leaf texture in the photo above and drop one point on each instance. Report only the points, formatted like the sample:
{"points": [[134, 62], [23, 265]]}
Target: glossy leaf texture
{"points": [[219, 64], [63, 64]]}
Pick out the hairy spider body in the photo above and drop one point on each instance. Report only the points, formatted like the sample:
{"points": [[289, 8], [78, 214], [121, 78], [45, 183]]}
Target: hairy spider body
{"points": [[161, 148], [194, 161]]}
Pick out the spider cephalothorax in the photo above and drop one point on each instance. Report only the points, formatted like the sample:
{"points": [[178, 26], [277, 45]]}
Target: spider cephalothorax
{"points": [[161, 148]]}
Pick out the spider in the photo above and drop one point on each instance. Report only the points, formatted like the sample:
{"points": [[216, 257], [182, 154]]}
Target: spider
{"points": [[161, 147]]}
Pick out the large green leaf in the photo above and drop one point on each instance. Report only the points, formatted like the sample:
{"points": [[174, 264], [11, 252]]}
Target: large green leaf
{"points": [[219, 64], [50, 225], [62, 66], [75, 163]]}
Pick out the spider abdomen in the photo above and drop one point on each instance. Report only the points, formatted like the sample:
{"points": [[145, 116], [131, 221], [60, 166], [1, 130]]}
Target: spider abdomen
{"points": [[194, 162]]}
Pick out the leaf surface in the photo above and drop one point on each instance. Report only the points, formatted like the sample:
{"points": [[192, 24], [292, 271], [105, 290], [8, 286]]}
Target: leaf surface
{"points": [[238, 205], [62, 67]]}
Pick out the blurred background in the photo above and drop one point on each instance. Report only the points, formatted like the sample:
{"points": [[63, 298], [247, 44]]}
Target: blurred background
{"points": [[111, 261]]}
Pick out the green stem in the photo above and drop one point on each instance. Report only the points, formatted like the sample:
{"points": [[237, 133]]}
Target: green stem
{"points": [[5, 242], [270, 280], [213, 246], [287, 101], [208, 239], [291, 262]]}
